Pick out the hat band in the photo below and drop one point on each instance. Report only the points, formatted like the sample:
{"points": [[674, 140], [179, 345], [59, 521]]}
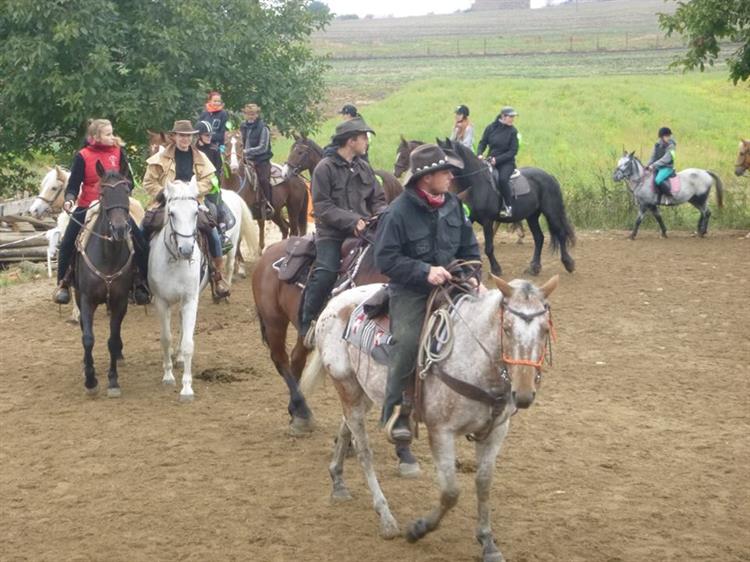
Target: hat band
{"points": [[440, 162]]}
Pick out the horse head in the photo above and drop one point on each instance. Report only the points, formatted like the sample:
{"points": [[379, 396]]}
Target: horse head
{"points": [[157, 141], [114, 199], [475, 171], [405, 148], [743, 158], [628, 167], [182, 215], [233, 142], [525, 329], [50, 192], [303, 155]]}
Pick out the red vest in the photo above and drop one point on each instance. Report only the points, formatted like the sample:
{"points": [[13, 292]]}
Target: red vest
{"points": [[109, 156]]}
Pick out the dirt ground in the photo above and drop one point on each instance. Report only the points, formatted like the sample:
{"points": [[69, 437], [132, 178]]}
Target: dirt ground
{"points": [[637, 448]]}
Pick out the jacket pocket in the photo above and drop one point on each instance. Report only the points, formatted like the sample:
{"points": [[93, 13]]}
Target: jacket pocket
{"points": [[420, 242]]}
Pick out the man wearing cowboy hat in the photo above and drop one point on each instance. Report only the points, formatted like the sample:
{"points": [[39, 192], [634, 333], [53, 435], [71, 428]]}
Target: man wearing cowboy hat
{"points": [[423, 231], [345, 193], [180, 160]]}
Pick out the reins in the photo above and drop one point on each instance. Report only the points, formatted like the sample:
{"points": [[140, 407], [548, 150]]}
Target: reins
{"points": [[174, 234]]}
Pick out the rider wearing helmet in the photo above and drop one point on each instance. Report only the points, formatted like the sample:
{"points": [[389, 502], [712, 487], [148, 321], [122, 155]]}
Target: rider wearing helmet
{"points": [[213, 198], [502, 139], [662, 160], [463, 129]]}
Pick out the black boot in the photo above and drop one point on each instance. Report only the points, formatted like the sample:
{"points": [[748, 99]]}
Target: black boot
{"points": [[62, 293]]}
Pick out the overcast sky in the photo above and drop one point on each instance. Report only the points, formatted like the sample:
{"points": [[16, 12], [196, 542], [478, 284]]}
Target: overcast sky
{"points": [[397, 8]]}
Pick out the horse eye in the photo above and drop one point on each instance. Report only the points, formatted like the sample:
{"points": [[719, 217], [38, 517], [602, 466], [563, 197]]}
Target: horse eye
{"points": [[538, 378]]}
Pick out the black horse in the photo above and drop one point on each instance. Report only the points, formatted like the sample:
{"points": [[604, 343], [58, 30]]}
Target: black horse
{"points": [[544, 198], [104, 274]]}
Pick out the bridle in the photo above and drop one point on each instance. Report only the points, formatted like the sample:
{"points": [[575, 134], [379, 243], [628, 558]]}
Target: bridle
{"points": [[528, 317], [174, 234], [295, 170], [56, 190]]}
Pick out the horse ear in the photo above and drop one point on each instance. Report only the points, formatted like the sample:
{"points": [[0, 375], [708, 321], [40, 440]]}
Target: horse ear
{"points": [[624, 152], [550, 286], [504, 287], [295, 136], [631, 154], [194, 185], [60, 174], [403, 140], [99, 169]]}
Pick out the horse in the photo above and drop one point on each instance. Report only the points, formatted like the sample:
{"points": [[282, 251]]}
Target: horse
{"points": [[290, 193], [305, 154], [175, 264], [695, 187], [244, 227], [493, 369], [742, 164], [104, 275]]}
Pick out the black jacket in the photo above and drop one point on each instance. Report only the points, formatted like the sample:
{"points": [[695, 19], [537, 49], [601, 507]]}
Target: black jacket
{"points": [[213, 154], [256, 141], [502, 141], [342, 194], [218, 120], [412, 236]]}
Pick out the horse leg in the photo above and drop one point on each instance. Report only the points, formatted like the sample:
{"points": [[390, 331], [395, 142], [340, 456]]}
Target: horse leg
{"points": [[261, 234], [165, 316], [229, 267], [638, 221], [336, 468], [442, 444], [657, 216], [302, 418], [703, 221], [188, 315], [355, 411], [489, 247], [282, 223], [87, 338], [75, 314], [536, 232], [115, 348], [486, 454], [408, 465]]}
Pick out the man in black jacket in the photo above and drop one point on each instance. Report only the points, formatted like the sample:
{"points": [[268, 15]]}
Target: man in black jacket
{"points": [[345, 193], [502, 139], [256, 142], [423, 231]]}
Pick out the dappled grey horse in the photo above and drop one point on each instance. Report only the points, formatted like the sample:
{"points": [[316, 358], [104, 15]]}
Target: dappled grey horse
{"points": [[695, 187]]}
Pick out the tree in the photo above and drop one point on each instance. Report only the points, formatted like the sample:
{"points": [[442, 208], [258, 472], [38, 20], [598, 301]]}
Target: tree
{"points": [[144, 64], [706, 23]]}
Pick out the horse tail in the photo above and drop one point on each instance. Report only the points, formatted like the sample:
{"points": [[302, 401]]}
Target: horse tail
{"points": [[313, 374], [553, 207], [249, 231], [719, 188]]}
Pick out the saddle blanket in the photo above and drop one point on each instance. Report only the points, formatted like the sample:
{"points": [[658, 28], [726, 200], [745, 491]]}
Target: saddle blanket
{"points": [[373, 335], [136, 213], [674, 185], [277, 174], [519, 185]]}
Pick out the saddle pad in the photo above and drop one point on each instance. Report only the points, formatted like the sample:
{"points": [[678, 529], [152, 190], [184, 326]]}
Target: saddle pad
{"points": [[519, 185], [277, 174], [675, 185], [93, 212], [371, 335]]}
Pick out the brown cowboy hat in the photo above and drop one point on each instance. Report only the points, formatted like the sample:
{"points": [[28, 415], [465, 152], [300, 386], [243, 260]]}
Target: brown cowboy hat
{"points": [[183, 127], [349, 128], [427, 159]]}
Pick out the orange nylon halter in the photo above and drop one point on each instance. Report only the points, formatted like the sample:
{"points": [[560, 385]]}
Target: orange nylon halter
{"points": [[529, 362]]}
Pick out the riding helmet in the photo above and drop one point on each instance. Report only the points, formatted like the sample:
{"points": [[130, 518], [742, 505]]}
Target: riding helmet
{"points": [[204, 128], [664, 131], [462, 110]]}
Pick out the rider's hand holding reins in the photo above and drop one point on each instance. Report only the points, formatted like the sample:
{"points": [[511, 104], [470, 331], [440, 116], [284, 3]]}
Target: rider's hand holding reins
{"points": [[359, 228], [438, 275], [68, 205]]}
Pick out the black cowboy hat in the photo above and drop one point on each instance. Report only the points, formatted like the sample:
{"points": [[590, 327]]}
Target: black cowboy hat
{"points": [[350, 128], [427, 159]]}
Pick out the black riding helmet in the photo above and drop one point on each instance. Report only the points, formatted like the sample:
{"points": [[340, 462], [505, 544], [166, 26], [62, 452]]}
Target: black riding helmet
{"points": [[204, 128], [665, 131], [462, 110]]}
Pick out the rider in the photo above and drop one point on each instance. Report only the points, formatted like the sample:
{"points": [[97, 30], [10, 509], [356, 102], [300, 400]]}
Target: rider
{"points": [[423, 231], [217, 117], [463, 129], [348, 112], [502, 139], [345, 194], [256, 140], [205, 145], [180, 160], [662, 160], [101, 146]]}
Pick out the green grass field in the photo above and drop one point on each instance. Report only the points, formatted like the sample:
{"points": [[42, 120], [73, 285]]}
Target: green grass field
{"points": [[576, 128]]}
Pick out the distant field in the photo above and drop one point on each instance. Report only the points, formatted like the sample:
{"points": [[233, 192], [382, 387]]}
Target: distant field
{"points": [[576, 129]]}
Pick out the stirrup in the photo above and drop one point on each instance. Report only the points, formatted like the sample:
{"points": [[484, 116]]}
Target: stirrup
{"points": [[398, 435], [61, 295], [507, 211], [309, 338]]}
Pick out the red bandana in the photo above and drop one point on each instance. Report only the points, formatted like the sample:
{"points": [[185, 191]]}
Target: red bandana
{"points": [[433, 201]]}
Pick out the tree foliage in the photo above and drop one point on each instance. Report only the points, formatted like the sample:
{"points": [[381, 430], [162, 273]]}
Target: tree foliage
{"points": [[706, 23], [144, 64]]}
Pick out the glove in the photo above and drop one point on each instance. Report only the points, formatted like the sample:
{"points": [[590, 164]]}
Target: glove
{"points": [[222, 149]]}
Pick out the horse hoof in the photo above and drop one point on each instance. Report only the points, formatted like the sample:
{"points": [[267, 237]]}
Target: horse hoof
{"points": [[409, 470], [92, 392], [417, 530], [340, 495], [300, 427], [570, 266], [186, 398], [168, 382], [114, 393], [533, 269], [631, 237], [493, 557], [72, 322], [664, 235], [389, 528]]}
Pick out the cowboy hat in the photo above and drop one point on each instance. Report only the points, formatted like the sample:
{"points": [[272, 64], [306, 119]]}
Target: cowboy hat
{"points": [[350, 128], [183, 127], [427, 159]]}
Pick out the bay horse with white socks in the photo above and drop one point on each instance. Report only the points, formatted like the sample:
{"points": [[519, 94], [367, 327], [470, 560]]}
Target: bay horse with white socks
{"points": [[499, 343], [694, 188], [175, 265]]}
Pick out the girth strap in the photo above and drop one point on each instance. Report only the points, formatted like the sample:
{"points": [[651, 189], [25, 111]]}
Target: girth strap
{"points": [[495, 401]]}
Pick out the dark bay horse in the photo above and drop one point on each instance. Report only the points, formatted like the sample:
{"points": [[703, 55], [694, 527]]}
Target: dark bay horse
{"points": [[305, 154], [290, 193], [104, 274], [742, 164], [475, 185]]}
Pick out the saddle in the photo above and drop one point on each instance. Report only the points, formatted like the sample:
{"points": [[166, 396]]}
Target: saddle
{"points": [[675, 184], [153, 221], [519, 185], [277, 174]]}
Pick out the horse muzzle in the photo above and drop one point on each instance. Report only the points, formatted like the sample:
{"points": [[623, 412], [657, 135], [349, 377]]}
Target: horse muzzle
{"points": [[186, 250], [523, 399], [739, 171]]}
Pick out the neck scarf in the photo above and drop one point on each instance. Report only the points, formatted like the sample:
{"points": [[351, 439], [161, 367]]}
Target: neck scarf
{"points": [[213, 107], [433, 201]]}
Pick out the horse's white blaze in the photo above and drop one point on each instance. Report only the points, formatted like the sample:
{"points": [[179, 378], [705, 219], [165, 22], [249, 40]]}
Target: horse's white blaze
{"points": [[234, 163]]}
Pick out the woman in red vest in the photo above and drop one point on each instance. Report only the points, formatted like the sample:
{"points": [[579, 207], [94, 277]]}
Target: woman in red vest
{"points": [[83, 188]]}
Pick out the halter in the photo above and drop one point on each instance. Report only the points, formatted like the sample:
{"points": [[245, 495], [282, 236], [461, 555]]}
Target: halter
{"points": [[59, 186], [174, 234], [528, 317], [307, 148]]}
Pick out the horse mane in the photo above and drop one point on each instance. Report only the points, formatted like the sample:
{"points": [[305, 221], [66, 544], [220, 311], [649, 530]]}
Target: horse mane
{"points": [[312, 144]]}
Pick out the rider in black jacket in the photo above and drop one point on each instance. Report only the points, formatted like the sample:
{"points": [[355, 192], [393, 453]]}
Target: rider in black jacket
{"points": [[502, 139]]}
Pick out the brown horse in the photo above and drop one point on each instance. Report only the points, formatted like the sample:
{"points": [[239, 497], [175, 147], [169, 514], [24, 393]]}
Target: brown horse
{"points": [[742, 164], [290, 193], [305, 154]]}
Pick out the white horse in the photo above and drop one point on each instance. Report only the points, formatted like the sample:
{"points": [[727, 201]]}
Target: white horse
{"points": [[245, 229], [174, 276], [493, 368], [695, 187]]}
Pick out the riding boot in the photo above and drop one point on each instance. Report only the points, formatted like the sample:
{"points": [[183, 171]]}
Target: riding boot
{"points": [[221, 288], [62, 292], [141, 292]]}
